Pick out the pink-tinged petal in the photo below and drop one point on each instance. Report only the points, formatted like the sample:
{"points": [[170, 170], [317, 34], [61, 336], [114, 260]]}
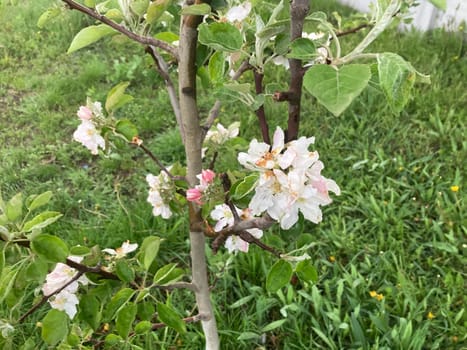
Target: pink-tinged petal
{"points": [[207, 176], [84, 113], [238, 13], [194, 195]]}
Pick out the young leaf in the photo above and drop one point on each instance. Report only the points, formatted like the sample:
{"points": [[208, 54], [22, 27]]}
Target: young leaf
{"points": [[117, 97], [216, 67], [124, 272], [170, 317], [143, 327], [117, 301], [302, 49], [89, 310], [148, 251], [42, 220], [397, 78], [125, 318], [40, 200], [306, 271], [54, 327], [156, 9], [127, 129], [197, 10], [90, 35], [336, 88], [167, 274], [243, 187], [14, 207], [48, 15], [220, 36], [278, 276], [50, 248]]}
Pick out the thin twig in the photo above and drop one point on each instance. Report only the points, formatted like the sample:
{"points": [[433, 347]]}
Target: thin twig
{"points": [[157, 161], [46, 297], [163, 70], [260, 113], [353, 30], [145, 40]]}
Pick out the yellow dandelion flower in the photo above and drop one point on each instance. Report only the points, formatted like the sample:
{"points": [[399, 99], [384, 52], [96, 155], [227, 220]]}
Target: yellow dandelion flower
{"points": [[379, 297], [373, 294], [430, 315], [332, 258], [455, 188]]}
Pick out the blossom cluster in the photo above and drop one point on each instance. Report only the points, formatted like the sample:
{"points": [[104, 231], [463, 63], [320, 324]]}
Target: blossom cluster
{"points": [[87, 133], [225, 218], [161, 192], [196, 194], [219, 135], [61, 276], [290, 180]]}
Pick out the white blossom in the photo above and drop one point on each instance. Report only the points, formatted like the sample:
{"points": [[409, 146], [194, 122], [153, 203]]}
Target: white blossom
{"points": [[88, 136], [219, 135], [160, 193], [225, 218], [290, 180], [238, 13], [65, 301], [122, 251]]}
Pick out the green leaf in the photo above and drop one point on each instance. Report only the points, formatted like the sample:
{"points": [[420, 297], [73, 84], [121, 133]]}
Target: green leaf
{"points": [[54, 327], [197, 10], [139, 6], [220, 36], [441, 4], [279, 275], [156, 9], [302, 49], [126, 128], [143, 327], [90, 35], [48, 15], [7, 282], [241, 301], [243, 187], [117, 301], [336, 88], [125, 319], [148, 251], [306, 271], [14, 207], [170, 317], [397, 78], [216, 67], [124, 272], [89, 310], [273, 325], [50, 248], [167, 274], [117, 97], [40, 200], [37, 270], [42, 220], [112, 339], [80, 250], [168, 37]]}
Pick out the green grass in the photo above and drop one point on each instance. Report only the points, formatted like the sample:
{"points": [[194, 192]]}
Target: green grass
{"points": [[397, 229]]}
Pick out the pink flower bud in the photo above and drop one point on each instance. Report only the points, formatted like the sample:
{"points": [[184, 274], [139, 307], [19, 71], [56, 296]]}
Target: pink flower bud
{"points": [[194, 195], [207, 176], [84, 113]]}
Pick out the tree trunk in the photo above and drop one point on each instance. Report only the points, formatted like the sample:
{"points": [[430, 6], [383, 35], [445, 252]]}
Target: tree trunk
{"points": [[193, 140]]}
